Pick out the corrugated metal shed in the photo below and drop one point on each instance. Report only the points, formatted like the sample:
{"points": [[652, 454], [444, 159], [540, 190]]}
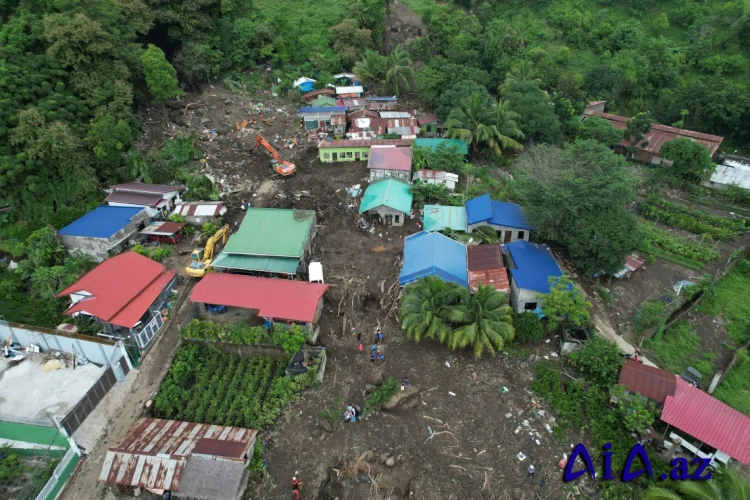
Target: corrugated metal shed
{"points": [[284, 265], [362, 113], [129, 198], [427, 254], [392, 193], [439, 217], [651, 382], [708, 420], [390, 115], [272, 232], [140, 187], [363, 143], [463, 146], [428, 119], [731, 174], [389, 158], [410, 132], [353, 103], [438, 175], [163, 228], [486, 266], [154, 453], [201, 208], [660, 134], [534, 265], [102, 222], [286, 300]]}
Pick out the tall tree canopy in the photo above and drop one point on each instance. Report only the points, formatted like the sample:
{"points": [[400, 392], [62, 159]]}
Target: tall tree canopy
{"points": [[692, 160], [538, 119], [577, 196]]}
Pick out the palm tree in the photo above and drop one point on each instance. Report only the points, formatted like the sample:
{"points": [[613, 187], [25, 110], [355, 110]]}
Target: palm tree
{"points": [[486, 319], [524, 72], [505, 129], [470, 122], [731, 486], [138, 167], [425, 309], [371, 69], [399, 70]]}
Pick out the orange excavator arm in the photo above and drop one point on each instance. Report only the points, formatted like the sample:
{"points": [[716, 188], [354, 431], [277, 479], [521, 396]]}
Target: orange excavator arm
{"points": [[260, 141]]}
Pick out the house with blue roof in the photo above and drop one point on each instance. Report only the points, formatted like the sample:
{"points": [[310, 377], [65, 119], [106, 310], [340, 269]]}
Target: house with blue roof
{"points": [[433, 254], [530, 266], [507, 219], [327, 118], [105, 230]]}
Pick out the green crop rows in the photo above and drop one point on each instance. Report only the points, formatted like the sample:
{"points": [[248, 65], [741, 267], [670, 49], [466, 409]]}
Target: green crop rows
{"points": [[208, 386], [695, 221], [675, 249]]}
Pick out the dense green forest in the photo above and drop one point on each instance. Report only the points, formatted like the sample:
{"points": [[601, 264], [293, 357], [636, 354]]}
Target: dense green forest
{"points": [[74, 72]]}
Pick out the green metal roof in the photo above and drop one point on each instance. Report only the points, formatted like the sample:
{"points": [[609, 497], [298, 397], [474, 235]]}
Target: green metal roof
{"points": [[392, 193], [286, 265], [463, 147], [272, 232], [438, 217], [323, 102]]}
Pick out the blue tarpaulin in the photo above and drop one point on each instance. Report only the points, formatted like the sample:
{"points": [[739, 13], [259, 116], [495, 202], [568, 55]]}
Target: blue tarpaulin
{"points": [[433, 254]]}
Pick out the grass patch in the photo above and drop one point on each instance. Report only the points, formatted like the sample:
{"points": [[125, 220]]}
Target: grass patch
{"points": [[676, 349], [729, 299], [734, 389], [381, 395]]}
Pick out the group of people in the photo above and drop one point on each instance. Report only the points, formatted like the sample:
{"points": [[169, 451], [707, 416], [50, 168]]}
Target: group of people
{"points": [[376, 351], [352, 413]]}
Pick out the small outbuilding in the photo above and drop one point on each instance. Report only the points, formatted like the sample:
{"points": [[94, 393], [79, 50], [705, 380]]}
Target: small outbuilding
{"points": [[105, 230], [127, 294], [200, 212], [310, 96], [733, 171], [485, 263], [439, 177], [440, 217], [430, 124], [157, 199], [530, 266], [389, 161], [194, 461], [389, 198], [349, 91], [164, 232], [274, 300], [507, 219], [433, 254]]}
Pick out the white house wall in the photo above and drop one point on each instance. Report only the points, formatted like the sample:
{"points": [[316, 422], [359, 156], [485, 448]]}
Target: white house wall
{"points": [[519, 297], [502, 230], [376, 174]]}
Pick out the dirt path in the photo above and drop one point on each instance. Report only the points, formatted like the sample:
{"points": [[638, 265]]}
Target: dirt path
{"points": [[84, 483]]}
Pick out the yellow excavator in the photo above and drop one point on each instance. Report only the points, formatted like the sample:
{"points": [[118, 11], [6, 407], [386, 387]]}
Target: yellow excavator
{"points": [[201, 258], [283, 168]]}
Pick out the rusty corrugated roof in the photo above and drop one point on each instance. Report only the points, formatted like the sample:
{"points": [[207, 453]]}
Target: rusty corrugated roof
{"points": [[154, 452], [708, 420], [201, 208], [653, 383], [497, 278], [129, 198], [486, 267], [660, 134], [390, 158]]}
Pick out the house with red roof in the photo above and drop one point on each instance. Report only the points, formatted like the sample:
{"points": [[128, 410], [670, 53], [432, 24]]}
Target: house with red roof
{"points": [[273, 299], [126, 294], [389, 161]]}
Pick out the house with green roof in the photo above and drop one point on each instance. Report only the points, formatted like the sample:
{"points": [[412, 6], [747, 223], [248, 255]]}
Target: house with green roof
{"points": [[389, 198], [270, 241]]}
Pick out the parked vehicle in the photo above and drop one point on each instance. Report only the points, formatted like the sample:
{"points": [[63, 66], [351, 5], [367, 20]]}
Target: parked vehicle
{"points": [[216, 309]]}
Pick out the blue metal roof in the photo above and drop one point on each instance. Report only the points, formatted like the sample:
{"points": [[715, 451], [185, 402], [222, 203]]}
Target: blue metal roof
{"points": [[479, 209], [533, 265], [329, 109], [384, 99], [434, 254], [499, 213], [102, 222]]}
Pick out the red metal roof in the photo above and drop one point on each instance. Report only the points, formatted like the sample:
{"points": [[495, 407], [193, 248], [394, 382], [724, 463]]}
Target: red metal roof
{"points": [[140, 187], [428, 119], [165, 228], [315, 93], [659, 134], [364, 143], [653, 383], [121, 289], [486, 266], [634, 262], [709, 420], [142, 199], [154, 453], [272, 298], [390, 158]]}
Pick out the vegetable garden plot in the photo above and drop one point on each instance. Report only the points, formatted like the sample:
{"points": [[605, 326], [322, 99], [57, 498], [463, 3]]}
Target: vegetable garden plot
{"points": [[695, 221], [207, 386]]}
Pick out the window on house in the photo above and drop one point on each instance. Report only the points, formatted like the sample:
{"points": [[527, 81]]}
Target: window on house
{"points": [[521, 234], [326, 156], [396, 219], [365, 155], [529, 306], [349, 154]]}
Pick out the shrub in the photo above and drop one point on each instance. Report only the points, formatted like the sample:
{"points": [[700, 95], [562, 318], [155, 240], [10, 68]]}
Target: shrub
{"points": [[599, 361], [11, 466], [291, 340], [380, 395], [528, 327], [209, 229]]}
